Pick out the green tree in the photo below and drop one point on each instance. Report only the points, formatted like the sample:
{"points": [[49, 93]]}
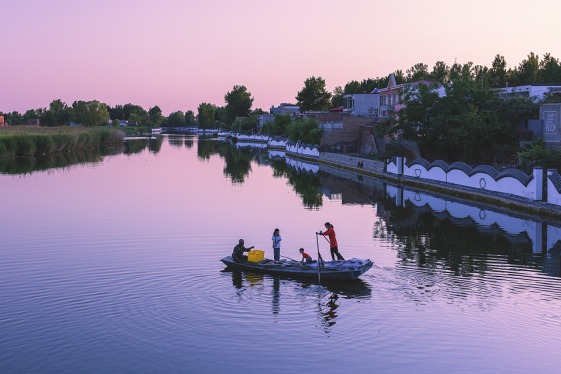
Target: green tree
{"points": [[278, 126], [305, 130], [418, 72], [238, 103], [90, 113], [176, 119], [498, 72], [440, 73], [245, 125], [528, 70], [206, 115], [465, 125], [368, 85], [337, 97], [518, 110], [190, 119], [353, 87], [550, 69], [156, 116], [313, 95]]}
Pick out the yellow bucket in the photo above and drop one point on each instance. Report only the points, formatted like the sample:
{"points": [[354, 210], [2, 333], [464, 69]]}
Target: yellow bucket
{"points": [[256, 255]]}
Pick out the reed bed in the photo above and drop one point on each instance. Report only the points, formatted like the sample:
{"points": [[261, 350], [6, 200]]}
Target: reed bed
{"points": [[30, 141]]}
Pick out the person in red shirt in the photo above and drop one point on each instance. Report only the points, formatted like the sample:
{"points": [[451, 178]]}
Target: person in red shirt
{"points": [[305, 257], [334, 248]]}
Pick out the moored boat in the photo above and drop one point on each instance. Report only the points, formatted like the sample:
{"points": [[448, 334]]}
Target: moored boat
{"points": [[329, 270]]}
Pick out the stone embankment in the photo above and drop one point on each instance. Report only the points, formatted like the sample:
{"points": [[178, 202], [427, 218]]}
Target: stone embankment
{"points": [[377, 169]]}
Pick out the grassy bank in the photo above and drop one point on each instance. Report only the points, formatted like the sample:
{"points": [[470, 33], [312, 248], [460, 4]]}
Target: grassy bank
{"points": [[24, 141]]}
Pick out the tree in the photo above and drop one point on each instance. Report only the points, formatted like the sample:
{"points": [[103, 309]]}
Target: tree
{"points": [[418, 72], [313, 95], [206, 115], [305, 130], [498, 72], [238, 103], [464, 125], [190, 119], [353, 87], [129, 108], [550, 69], [90, 113], [221, 118], [278, 126], [176, 119], [528, 70], [440, 72], [337, 97], [156, 116]]}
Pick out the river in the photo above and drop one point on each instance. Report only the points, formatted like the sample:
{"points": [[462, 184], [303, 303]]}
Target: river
{"points": [[112, 265]]}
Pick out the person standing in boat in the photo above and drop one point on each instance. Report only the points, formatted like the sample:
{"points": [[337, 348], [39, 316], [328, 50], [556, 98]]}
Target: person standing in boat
{"points": [[237, 254], [276, 244], [333, 246], [305, 257]]}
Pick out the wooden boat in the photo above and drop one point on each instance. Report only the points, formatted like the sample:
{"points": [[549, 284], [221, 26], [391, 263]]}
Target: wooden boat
{"points": [[330, 270]]}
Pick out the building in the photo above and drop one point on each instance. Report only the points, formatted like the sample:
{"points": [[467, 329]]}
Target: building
{"points": [[2, 123], [536, 91], [362, 105], [550, 118], [284, 108], [265, 118], [390, 97]]}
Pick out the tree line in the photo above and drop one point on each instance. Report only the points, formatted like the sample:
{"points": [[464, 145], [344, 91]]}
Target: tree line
{"points": [[237, 114]]}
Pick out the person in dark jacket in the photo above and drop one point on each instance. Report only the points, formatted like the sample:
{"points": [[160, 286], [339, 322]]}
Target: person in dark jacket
{"points": [[237, 254]]}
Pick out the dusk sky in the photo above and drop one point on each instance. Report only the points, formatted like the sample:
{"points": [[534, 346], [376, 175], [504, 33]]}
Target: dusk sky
{"points": [[179, 53]]}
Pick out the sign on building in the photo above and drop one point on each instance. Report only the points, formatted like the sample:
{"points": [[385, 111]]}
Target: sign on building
{"points": [[550, 114]]}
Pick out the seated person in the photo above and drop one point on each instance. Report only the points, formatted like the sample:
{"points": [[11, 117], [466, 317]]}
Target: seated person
{"points": [[237, 254], [305, 257]]}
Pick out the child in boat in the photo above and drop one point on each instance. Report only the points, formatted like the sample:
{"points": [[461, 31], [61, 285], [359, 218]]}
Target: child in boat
{"points": [[276, 244], [305, 257]]}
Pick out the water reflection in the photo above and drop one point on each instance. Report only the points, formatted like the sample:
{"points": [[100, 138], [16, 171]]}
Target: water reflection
{"points": [[137, 145], [237, 160], [27, 165], [432, 231], [326, 297], [305, 181]]}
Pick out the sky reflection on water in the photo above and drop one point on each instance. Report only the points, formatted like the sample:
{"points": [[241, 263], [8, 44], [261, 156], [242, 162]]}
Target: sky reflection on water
{"points": [[114, 266]]}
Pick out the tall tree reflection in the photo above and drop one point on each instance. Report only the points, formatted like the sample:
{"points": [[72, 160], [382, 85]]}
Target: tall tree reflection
{"points": [[306, 185]]}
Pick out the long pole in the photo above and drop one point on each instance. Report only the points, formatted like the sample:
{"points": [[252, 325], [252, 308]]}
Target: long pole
{"points": [[319, 260]]}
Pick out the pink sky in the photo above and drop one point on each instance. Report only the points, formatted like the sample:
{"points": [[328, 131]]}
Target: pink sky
{"points": [[179, 53]]}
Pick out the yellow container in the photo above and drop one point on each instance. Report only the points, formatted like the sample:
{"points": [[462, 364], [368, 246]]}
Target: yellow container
{"points": [[256, 255]]}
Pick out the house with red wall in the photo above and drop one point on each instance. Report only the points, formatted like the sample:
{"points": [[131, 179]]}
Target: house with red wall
{"points": [[390, 97]]}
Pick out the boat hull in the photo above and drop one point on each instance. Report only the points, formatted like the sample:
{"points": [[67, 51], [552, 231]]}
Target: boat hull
{"points": [[332, 270]]}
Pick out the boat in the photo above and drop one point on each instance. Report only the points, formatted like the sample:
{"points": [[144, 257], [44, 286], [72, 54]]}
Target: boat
{"points": [[329, 270]]}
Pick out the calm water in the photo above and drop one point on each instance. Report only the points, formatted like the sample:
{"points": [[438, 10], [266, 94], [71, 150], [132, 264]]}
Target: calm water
{"points": [[113, 265]]}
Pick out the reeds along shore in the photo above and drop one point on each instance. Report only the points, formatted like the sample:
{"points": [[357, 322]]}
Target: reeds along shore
{"points": [[23, 141]]}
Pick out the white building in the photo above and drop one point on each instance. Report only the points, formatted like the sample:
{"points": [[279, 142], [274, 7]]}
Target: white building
{"points": [[362, 105], [284, 108], [535, 91]]}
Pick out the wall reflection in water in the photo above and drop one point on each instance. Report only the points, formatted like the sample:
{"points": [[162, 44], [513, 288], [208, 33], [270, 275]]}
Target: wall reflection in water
{"points": [[428, 229]]}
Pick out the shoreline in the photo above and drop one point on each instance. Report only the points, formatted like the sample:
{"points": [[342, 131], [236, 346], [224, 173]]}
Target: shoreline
{"points": [[514, 204]]}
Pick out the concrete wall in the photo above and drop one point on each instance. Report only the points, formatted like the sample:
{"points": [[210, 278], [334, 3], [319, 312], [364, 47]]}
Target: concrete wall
{"points": [[510, 181], [355, 162], [303, 149]]}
